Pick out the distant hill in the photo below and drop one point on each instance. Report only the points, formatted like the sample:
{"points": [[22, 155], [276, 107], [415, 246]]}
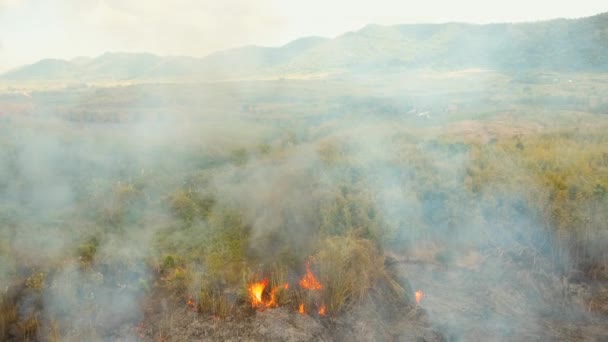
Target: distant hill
{"points": [[560, 45], [44, 69], [132, 66]]}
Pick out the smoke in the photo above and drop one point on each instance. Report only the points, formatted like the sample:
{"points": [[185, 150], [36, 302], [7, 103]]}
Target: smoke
{"points": [[278, 200], [79, 216], [111, 195]]}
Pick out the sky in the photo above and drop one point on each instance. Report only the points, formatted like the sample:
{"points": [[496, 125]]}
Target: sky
{"points": [[34, 29]]}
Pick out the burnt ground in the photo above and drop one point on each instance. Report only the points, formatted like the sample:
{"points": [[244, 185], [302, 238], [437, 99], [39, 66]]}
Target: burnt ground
{"points": [[283, 324], [478, 296], [475, 295], [500, 296]]}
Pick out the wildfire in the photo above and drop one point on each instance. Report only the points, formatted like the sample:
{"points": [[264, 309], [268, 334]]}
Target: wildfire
{"points": [[272, 303], [256, 290], [322, 310], [191, 303], [309, 281], [418, 295], [258, 300], [265, 296]]}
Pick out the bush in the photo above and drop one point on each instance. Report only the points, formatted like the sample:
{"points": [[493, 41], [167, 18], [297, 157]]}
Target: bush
{"points": [[348, 267]]}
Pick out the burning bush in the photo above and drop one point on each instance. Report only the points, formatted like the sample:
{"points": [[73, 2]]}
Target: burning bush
{"points": [[263, 295], [268, 292]]}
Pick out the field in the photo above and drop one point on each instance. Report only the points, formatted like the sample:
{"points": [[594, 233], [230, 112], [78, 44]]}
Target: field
{"points": [[433, 205]]}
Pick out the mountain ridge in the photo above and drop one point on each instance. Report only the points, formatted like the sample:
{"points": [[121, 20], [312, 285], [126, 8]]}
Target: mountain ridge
{"points": [[558, 44]]}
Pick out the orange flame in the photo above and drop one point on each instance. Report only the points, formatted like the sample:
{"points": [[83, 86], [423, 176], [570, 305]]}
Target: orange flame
{"points": [[309, 281], [191, 303], [255, 292], [301, 309], [418, 295], [272, 303], [322, 310]]}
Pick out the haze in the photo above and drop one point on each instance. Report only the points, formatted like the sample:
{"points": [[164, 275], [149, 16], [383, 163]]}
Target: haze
{"points": [[34, 29], [288, 171]]}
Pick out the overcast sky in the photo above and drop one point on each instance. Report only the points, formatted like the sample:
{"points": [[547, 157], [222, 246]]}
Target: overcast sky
{"points": [[34, 29]]}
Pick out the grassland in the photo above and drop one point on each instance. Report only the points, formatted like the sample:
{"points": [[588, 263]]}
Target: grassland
{"points": [[117, 197]]}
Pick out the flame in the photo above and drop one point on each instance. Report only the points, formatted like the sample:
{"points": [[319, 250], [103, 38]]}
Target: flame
{"points": [[322, 310], [263, 296], [256, 292], [272, 303], [191, 303], [309, 281], [418, 295]]}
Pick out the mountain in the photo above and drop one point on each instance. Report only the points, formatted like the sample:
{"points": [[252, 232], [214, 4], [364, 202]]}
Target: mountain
{"points": [[131, 66], [560, 45], [575, 45], [44, 69]]}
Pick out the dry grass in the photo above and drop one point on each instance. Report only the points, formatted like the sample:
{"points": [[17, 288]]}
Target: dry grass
{"points": [[349, 267], [215, 302], [8, 316]]}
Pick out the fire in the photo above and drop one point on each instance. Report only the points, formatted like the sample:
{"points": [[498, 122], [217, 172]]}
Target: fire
{"points": [[256, 290], [418, 295], [272, 303], [258, 300], [191, 303], [309, 281], [265, 296], [322, 310]]}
